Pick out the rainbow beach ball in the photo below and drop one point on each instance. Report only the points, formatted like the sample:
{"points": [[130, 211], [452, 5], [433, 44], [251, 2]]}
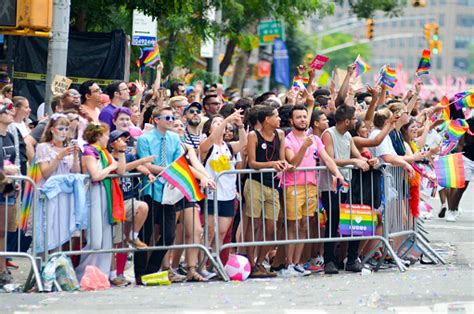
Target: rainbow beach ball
{"points": [[238, 267]]}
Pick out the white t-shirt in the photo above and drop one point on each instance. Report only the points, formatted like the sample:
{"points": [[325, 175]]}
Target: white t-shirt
{"points": [[23, 128], [385, 148]]}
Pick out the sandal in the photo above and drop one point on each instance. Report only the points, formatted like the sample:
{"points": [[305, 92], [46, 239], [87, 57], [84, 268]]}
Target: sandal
{"points": [[194, 276]]}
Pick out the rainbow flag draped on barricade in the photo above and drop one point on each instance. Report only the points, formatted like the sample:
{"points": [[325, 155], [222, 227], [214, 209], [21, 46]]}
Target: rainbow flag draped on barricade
{"points": [[113, 190], [360, 222], [148, 57], [360, 66], [450, 171], [425, 64], [34, 172], [179, 175]]}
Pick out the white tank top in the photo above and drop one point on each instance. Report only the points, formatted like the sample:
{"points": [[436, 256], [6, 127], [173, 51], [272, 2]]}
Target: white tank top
{"points": [[220, 160]]}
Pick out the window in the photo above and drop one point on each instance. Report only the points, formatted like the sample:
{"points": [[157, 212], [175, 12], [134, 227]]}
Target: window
{"points": [[439, 64], [466, 2], [461, 63], [465, 20], [462, 42], [394, 23], [410, 62], [411, 42], [402, 43], [442, 2], [412, 23], [441, 20]]}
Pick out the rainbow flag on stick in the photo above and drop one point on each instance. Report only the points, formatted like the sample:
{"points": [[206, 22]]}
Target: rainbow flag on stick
{"points": [[450, 171], [464, 99], [425, 64], [298, 80], [35, 174], [179, 175], [148, 57], [360, 66], [388, 76]]}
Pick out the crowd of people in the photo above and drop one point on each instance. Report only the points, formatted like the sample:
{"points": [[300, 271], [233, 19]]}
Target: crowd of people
{"points": [[130, 127]]}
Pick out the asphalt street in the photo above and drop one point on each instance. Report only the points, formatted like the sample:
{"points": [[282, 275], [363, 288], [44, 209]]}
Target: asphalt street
{"points": [[422, 289]]}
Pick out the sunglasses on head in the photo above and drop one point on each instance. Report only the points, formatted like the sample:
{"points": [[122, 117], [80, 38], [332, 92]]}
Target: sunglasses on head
{"points": [[193, 111], [167, 118]]}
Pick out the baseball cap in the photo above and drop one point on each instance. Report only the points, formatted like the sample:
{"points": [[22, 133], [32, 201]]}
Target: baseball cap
{"points": [[116, 134], [321, 92], [193, 104]]}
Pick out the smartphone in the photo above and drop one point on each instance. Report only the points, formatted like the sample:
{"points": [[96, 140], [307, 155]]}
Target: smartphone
{"points": [[73, 142]]}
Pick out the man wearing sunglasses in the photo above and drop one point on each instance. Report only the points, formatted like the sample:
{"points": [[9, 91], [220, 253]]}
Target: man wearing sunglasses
{"points": [[166, 147], [192, 133]]}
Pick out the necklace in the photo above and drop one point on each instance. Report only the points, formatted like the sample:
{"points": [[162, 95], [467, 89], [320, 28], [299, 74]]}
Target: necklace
{"points": [[273, 147]]}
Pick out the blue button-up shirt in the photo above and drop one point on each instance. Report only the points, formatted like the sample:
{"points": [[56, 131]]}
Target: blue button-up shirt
{"points": [[150, 144]]}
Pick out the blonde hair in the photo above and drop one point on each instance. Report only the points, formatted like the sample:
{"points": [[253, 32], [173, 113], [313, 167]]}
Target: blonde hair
{"points": [[381, 116], [94, 131]]}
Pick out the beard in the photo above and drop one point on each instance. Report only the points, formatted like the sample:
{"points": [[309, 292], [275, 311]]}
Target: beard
{"points": [[300, 128], [194, 123]]}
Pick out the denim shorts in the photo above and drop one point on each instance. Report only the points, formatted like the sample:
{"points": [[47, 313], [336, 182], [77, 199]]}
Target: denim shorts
{"points": [[10, 200]]}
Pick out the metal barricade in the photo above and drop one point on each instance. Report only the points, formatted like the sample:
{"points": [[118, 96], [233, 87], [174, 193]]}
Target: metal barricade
{"points": [[14, 242], [298, 203], [399, 221], [98, 238]]}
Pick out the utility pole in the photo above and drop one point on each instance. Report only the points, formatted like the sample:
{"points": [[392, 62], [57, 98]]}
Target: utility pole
{"points": [[57, 47], [266, 79], [217, 47]]}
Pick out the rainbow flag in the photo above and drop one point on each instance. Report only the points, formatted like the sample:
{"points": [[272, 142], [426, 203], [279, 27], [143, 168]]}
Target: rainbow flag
{"points": [[464, 99], [456, 129], [361, 222], [425, 64], [360, 66], [34, 172], [303, 80], [388, 76], [450, 171], [180, 176], [148, 57]]}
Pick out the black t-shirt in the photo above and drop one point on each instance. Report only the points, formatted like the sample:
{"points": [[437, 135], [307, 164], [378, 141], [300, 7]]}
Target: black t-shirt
{"points": [[267, 151], [8, 148], [469, 141]]}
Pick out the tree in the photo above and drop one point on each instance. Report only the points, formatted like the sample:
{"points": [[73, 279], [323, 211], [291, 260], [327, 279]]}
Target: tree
{"points": [[343, 57], [366, 8]]}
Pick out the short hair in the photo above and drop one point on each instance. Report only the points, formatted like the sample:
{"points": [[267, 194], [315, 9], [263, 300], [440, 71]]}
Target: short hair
{"points": [[244, 104], [226, 110], [158, 110], [177, 99], [94, 131], [260, 99], [128, 103], [344, 112], [381, 116], [206, 128], [396, 107], [251, 116], [85, 89], [297, 107], [264, 112], [315, 116], [175, 87], [207, 98], [18, 101], [112, 88], [55, 103], [271, 103], [120, 110]]}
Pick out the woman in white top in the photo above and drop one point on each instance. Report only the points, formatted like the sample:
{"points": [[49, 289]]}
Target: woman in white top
{"points": [[219, 156]]}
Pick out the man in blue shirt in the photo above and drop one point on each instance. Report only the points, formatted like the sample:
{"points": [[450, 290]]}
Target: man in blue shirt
{"points": [[166, 147]]}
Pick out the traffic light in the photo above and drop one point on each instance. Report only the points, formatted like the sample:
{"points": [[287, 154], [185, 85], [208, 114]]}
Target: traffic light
{"points": [[436, 45], [370, 29], [418, 3], [435, 31], [427, 32], [35, 15]]}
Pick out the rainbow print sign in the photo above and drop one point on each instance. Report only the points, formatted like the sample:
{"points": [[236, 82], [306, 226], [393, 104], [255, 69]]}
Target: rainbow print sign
{"points": [[361, 224]]}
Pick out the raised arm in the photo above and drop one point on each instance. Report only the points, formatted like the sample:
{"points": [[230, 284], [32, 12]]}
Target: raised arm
{"points": [[341, 96]]}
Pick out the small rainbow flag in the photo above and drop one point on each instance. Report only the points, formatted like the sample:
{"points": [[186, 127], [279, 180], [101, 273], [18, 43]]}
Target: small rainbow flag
{"points": [[34, 172], [450, 171], [360, 66], [148, 57], [456, 129], [388, 76], [425, 64], [362, 221], [303, 80], [464, 99], [180, 176]]}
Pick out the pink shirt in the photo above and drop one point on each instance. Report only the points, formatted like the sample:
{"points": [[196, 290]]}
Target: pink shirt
{"points": [[294, 143]]}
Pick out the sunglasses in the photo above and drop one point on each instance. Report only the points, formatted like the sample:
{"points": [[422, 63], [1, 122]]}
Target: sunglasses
{"points": [[62, 128], [167, 118], [193, 111]]}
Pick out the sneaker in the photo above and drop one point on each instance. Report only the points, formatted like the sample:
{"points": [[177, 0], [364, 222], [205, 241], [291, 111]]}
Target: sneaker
{"points": [[138, 244], [319, 260], [301, 271], [288, 272], [10, 264], [355, 267], [207, 274], [442, 213], [314, 268], [330, 269], [451, 216], [459, 212], [119, 281], [174, 277], [259, 271], [5, 278], [181, 270], [276, 269]]}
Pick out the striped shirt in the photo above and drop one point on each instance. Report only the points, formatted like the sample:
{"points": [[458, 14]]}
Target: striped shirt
{"points": [[192, 139]]}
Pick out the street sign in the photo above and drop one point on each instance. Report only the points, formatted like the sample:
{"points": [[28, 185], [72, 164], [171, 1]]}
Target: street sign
{"points": [[144, 29], [269, 30]]}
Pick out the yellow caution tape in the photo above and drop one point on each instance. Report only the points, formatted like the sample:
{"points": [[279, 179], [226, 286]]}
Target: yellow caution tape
{"points": [[42, 77]]}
